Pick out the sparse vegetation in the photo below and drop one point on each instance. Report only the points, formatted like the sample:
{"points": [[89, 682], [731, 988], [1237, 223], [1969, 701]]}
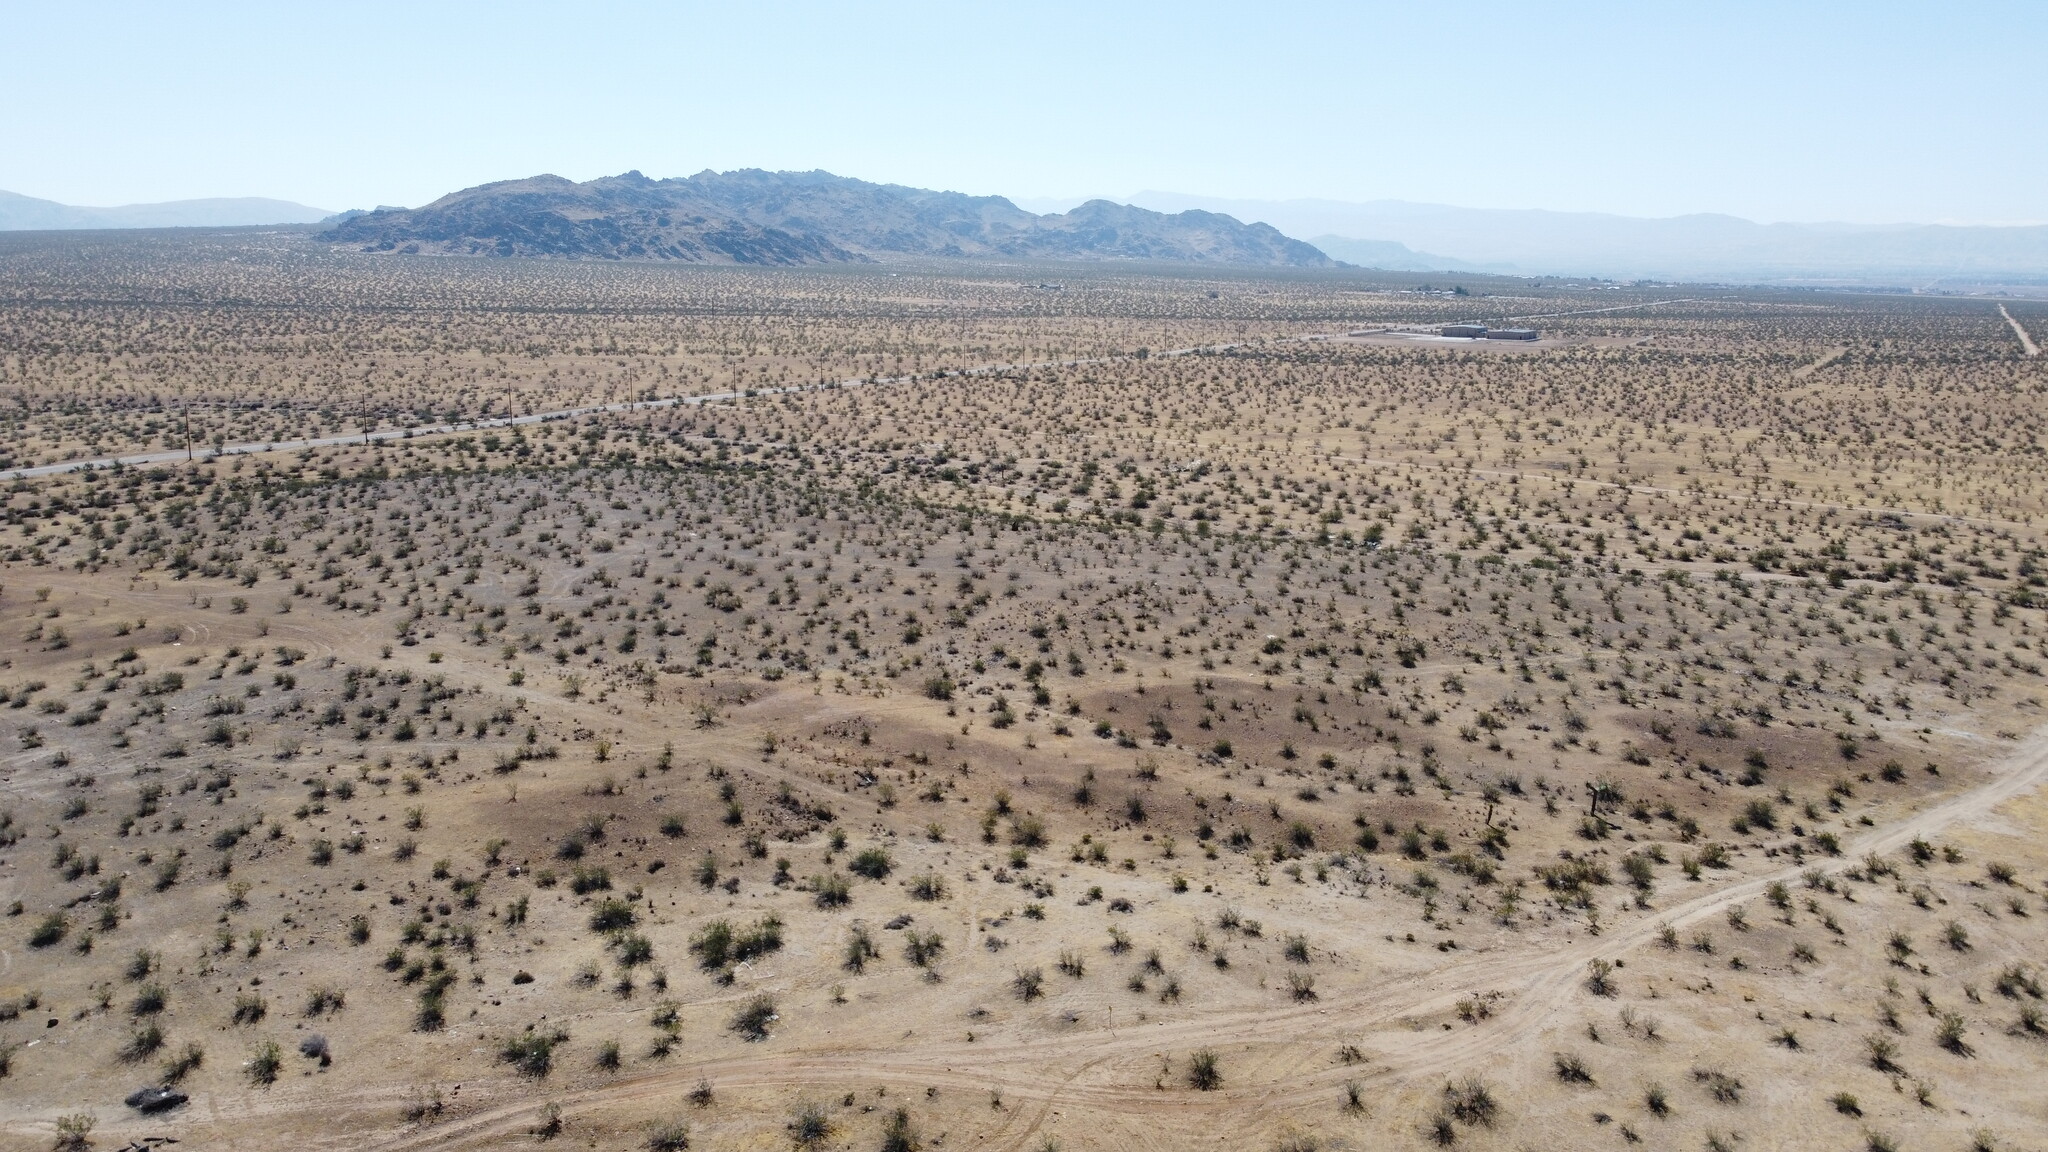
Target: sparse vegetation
{"points": [[264, 1062], [754, 1017], [1456, 660], [532, 1052]]}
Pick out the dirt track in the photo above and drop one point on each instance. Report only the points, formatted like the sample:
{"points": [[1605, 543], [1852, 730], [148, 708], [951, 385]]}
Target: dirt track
{"points": [[2026, 340]]}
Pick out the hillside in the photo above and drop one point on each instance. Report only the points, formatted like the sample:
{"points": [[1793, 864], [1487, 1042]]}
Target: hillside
{"points": [[757, 217]]}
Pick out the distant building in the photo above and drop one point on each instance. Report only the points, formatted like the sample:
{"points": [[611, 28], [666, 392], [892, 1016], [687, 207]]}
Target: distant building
{"points": [[1469, 331], [1510, 333]]}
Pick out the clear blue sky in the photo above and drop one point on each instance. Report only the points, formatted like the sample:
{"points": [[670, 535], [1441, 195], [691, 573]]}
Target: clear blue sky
{"points": [[1776, 111]]}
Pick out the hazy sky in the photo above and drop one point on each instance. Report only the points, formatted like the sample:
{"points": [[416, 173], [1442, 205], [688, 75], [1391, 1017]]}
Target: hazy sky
{"points": [[1777, 111]]}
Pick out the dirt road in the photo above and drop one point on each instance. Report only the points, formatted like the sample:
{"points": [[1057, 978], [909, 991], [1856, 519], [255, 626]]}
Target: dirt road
{"points": [[2026, 341]]}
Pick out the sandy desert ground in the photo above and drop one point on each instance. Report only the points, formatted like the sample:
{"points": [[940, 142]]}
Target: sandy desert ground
{"points": [[1058, 709]]}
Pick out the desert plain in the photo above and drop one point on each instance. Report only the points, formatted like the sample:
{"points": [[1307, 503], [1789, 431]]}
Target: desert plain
{"points": [[1012, 707]]}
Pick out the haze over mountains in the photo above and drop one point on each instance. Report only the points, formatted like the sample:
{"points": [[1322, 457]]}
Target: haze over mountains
{"points": [[26, 213], [1704, 246], [756, 217]]}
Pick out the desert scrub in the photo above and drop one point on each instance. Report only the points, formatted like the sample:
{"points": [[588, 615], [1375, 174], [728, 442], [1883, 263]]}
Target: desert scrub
{"points": [[754, 1017], [1722, 1087], [532, 1052], [1570, 1068], [264, 1063], [74, 1131], [860, 948], [1600, 977], [1883, 1054], [719, 945], [612, 915], [49, 930], [1949, 1033], [922, 948], [149, 1000], [872, 863], [1028, 983], [142, 1043], [898, 1133], [831, 890], [1470, 1101], [809, 1125]]}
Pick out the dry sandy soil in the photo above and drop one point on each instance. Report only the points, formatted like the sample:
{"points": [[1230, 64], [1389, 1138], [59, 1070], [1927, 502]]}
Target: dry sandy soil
{"points": [[1306, 744]]}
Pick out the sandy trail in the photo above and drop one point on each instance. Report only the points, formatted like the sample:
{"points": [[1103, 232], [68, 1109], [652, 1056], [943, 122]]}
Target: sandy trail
{"points": [[1825, 359], [2026, 341]]}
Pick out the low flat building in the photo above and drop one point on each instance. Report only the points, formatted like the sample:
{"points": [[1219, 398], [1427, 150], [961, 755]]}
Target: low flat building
{"points": [[1468, 331], [1510, 333]]}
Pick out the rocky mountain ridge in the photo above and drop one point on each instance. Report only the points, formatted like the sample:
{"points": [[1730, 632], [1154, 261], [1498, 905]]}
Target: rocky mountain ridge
{"points": [[756, 217]]}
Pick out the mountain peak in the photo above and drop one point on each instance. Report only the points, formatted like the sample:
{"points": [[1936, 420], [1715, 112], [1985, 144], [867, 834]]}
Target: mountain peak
{"points": [[753, 216]]}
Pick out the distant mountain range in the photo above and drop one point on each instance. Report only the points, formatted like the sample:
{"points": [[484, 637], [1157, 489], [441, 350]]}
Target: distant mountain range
{"points": [[755, 217], [26, 213], [1429, 237], [1389, 255]]}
